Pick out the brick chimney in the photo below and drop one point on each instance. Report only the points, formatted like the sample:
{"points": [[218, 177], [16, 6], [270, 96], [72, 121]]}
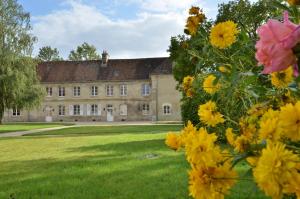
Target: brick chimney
{"points": [[105, 57]]}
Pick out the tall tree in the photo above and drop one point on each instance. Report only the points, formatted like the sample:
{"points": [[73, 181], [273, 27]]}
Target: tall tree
{"points": [[84, 52], [19, 85], [47, 53]]}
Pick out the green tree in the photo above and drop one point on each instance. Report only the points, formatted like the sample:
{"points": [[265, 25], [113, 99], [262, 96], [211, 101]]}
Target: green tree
{"points": [[47, 53], [247, 15], [84, 52], [19, 85]]}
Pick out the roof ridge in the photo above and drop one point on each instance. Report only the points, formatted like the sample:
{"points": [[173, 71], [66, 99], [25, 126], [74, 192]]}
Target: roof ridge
{"points": [[99, 60]]}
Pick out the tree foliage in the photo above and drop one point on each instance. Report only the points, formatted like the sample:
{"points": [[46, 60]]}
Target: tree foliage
{"points": [[84, 52], [194, 54], [19, 85], [47, 53]]}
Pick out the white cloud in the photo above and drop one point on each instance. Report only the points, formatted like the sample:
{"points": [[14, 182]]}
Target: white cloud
{"points": [[148, 35]]}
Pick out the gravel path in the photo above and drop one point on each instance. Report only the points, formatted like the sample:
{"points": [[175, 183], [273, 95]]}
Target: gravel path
{"points": [[79, 124]]}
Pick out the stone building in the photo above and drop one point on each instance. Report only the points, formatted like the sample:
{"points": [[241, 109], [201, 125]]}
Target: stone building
{"points": [[105, 90]]}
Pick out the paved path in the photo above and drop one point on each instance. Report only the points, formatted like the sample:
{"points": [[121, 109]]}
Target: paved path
{"points": [[79, 124], [21, 133]]}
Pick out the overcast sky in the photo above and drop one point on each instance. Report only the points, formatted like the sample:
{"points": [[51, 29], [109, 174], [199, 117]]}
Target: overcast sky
{"points": [[125, 28]]}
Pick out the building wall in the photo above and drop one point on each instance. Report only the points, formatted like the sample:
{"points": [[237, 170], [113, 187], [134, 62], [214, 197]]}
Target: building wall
{"points": [[164, 87], [162, 91]]}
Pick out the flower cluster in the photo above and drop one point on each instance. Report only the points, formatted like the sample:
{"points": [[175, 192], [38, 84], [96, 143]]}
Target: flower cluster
{"points": [[211, 174], [196, 17], [187, 85], [256, 114]]}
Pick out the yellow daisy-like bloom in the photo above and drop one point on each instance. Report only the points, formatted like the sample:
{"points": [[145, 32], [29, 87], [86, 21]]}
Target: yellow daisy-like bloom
{"points": [[248, 127], [194, 10], [283, 78], [293, 2], [223, 34], [209, 85], [188, 134], [275, 168], [257, 110], [209, 115], [293, 186], [202, 149], [187, 85], [241, 143], [193, 21], [269, 126], [230, 136], [289, 121], [211, 182], [173, 141]]}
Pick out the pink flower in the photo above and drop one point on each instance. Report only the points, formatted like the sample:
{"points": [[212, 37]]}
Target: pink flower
{"points": [[274, 49]]}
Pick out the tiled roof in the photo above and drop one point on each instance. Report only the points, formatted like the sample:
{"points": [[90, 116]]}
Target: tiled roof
{"points": [[116, 70]]}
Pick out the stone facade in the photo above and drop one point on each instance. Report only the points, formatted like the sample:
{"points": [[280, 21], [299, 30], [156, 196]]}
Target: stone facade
{"points": [[151, 96]]}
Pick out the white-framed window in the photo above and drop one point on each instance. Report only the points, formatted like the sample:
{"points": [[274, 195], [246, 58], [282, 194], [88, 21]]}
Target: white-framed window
{"points": [[94, 90], [49, 91], [76, 91], [167, 109], [109, 90], [61, 91], [123, 109], [16, 112], [61, 110], [123, 90], [145, 109], [94, 109], [76, 109], [145, 89]]}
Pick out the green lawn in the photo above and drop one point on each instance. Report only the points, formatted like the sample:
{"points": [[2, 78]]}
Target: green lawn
{"points": [[13, 127], [129, 162]]}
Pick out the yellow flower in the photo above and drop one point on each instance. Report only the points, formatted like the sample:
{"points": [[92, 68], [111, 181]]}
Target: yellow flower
{"points": [[269, 126], [211, 182], [293, 2], [209, 84], [293, 186], [223, 34], [248, 127], [283, 78], [202, 150], [193, 21], [187, 85], [275, 168], [257, 110], [209, 115], [252, 160], [230, 136], [194, 10], [241, 143], [224, 69], [289, 121], [173, 141], [188, 134]]}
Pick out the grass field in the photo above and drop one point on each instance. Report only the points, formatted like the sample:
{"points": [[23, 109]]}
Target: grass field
{"points": [[129, 162], [13, 127]]}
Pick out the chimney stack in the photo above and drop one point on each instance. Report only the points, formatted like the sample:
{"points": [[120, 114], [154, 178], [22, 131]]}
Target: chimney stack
{"points": [[105, 57]]}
